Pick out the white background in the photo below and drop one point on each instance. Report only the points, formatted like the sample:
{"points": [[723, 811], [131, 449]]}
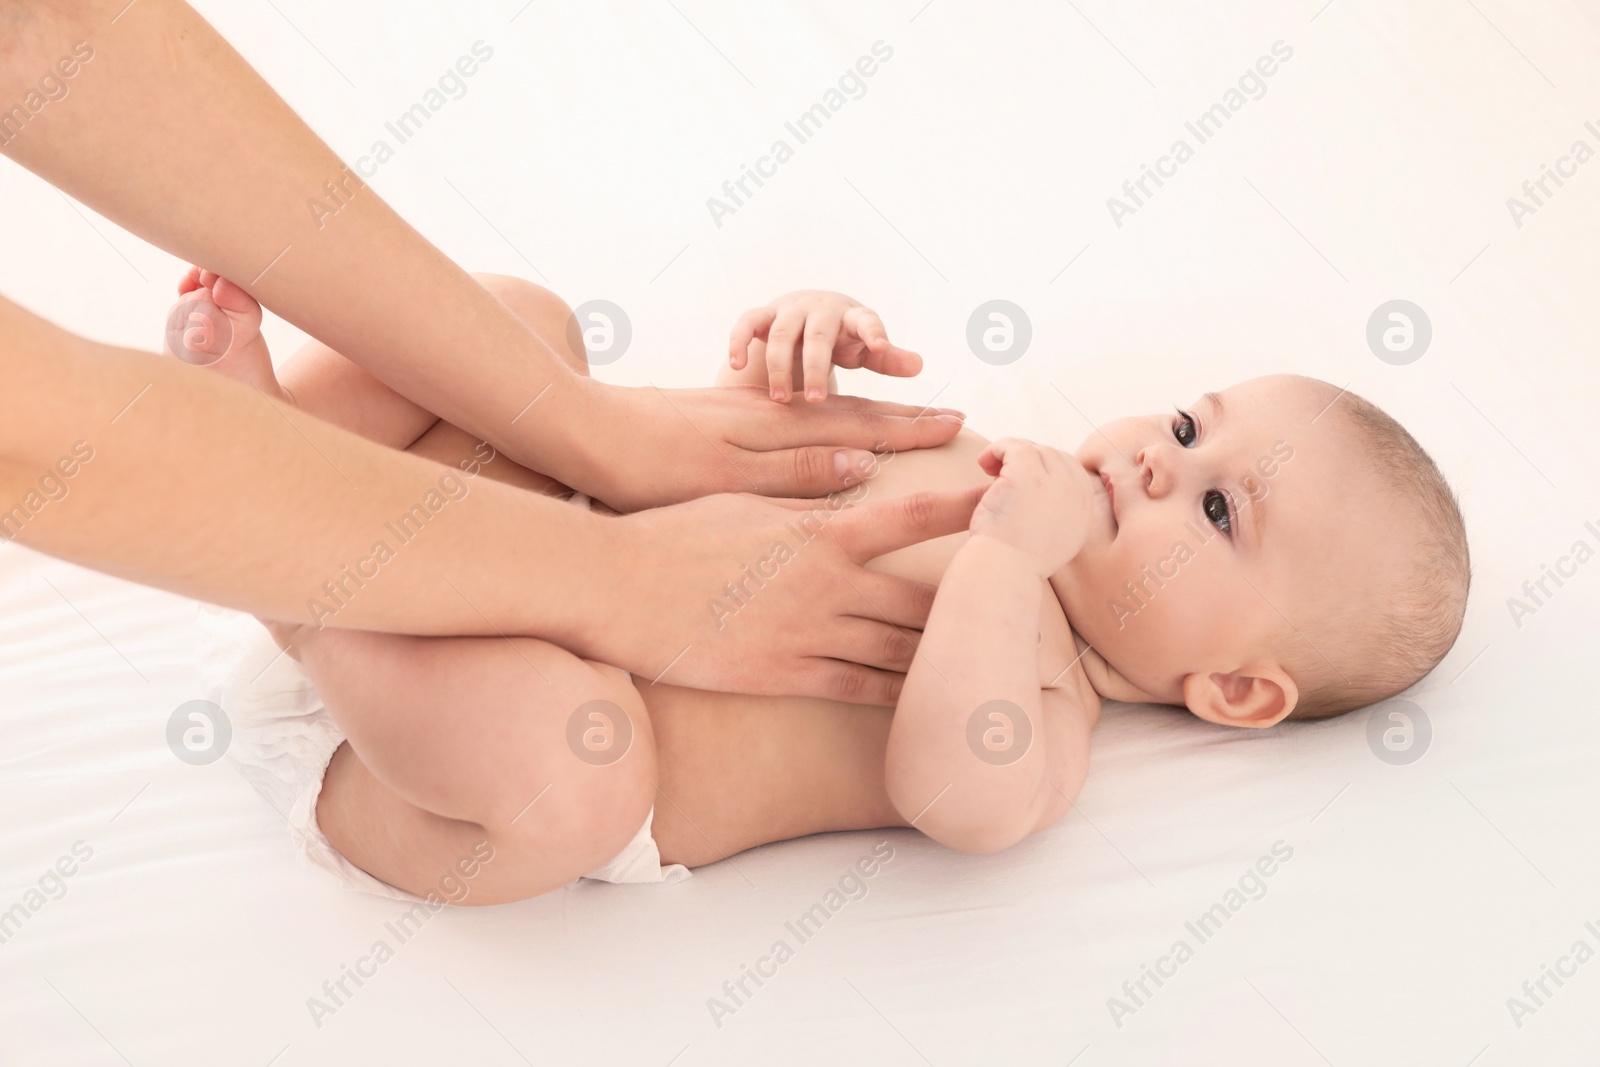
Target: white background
{"points": [[976, 166]]}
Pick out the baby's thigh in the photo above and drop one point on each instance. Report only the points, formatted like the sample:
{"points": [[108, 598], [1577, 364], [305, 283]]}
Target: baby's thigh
{"points": [[464, 746], [461, 862]]}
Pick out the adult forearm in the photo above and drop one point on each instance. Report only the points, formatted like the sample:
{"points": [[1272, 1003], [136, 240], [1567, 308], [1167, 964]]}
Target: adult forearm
{"points": [[143, 467], [169, 132]]}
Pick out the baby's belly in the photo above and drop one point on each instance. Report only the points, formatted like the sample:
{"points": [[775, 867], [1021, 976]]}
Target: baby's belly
{"points": [[739, 771], [951, 466]]}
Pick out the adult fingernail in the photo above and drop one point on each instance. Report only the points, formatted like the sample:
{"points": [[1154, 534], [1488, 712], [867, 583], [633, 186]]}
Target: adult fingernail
{"points": [[851, 465], [951, 411], [954, 420]]}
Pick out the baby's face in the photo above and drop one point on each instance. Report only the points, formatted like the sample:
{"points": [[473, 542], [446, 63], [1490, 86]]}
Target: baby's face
{"points": [[1221, 530]]}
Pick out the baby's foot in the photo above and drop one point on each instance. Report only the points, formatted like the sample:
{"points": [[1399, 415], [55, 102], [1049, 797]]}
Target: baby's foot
{"points": [[217, 324]]}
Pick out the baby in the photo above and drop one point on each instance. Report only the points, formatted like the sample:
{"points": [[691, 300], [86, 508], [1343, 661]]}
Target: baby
{"points": [[1281, 549]]}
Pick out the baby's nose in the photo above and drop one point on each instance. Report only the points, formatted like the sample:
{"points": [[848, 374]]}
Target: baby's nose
{"points": [[1153, 469]]}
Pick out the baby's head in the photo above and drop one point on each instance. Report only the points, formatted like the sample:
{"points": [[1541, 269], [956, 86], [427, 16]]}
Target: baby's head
{"points": [[1282, 549]]}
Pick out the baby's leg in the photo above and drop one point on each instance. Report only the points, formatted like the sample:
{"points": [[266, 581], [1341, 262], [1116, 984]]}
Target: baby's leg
{"points": [[458, 742], [324, 383]]}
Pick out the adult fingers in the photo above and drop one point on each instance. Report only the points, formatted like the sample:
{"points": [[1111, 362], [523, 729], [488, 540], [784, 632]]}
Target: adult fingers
{"points": [[872, 529], [870, 425], [752, 324], [816, 354], [875, 643], [852, 683], [797, 503], [846, 402], [813, 471], [889, 598]]}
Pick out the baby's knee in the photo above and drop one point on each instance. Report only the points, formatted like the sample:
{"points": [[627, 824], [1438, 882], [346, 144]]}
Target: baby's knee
{"points": [[593, 809], [544, 312]]}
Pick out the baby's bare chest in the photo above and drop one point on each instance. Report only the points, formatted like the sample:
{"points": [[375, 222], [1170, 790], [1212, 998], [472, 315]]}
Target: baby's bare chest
{"points": [[953, 466]]}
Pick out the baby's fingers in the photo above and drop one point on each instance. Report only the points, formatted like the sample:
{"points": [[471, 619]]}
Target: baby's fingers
{"points": [[781, 338], [752, 324], [865, 324], [822, 332], [894, 361], [1012, 450], [879, 355], [189, 282]]}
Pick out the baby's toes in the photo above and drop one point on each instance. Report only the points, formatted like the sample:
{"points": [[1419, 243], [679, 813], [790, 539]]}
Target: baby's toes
{"points": [[230, 297]]}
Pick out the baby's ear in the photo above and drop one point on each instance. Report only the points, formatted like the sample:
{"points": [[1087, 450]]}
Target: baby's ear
{"points": [[1258, 695]]}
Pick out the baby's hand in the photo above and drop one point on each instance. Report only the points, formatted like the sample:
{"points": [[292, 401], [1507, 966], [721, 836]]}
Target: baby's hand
{"points": [[1040, 502], [220, 318], [833, 329]]}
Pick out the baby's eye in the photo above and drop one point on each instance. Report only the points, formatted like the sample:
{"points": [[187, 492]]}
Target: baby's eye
{"points": [[1183, 429], [1216, 508]]}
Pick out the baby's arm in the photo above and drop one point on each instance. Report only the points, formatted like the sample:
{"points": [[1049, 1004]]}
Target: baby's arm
{"points": [[983, 750]]}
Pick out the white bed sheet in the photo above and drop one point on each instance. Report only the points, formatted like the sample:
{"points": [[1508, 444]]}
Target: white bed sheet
{"points": [[977, 165]]}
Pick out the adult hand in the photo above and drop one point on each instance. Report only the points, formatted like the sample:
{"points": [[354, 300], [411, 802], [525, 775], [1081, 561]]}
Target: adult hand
{"points": [[645, 447], [771, 597]]}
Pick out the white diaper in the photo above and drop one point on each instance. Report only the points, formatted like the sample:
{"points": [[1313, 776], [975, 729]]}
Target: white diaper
{"points": [[283, 738]]}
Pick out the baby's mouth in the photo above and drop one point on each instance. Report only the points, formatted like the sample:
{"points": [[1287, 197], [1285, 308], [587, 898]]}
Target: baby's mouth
{"points": [[1111, 500]]}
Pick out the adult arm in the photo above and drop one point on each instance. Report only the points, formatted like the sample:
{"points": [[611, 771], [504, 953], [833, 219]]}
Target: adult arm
{"points": [[143, 467], [167, 131]]}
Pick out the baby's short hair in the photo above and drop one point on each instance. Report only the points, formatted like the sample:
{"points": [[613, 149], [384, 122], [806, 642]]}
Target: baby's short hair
{"points": [[1385, 648]]}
